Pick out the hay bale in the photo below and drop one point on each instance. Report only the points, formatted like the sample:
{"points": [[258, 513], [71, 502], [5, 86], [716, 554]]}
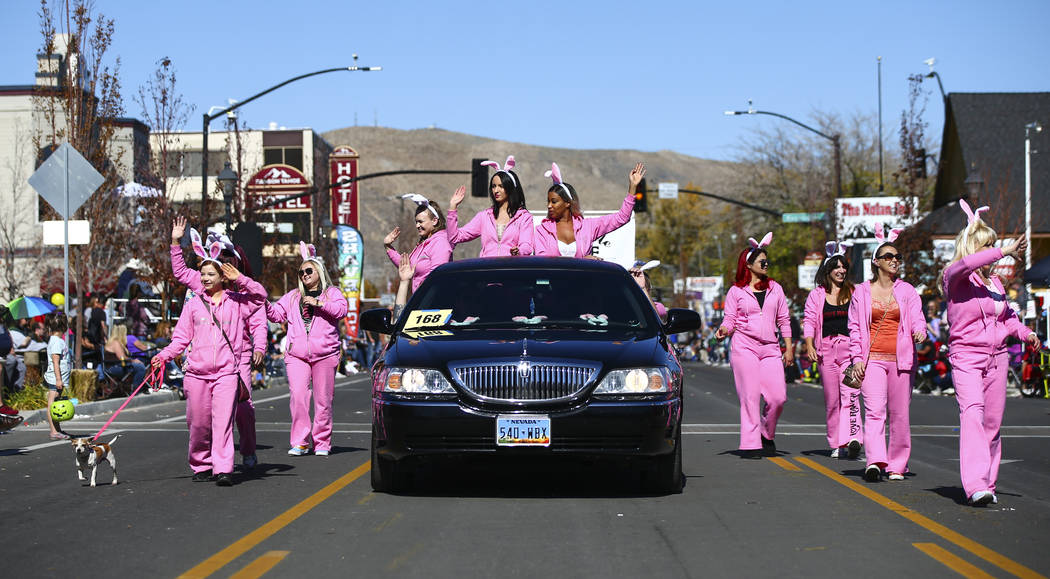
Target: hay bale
{"points": [[84, 385]]}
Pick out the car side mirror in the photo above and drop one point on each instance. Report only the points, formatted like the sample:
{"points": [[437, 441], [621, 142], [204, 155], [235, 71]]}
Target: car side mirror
{"points": [[681, 320], [377, 320]]}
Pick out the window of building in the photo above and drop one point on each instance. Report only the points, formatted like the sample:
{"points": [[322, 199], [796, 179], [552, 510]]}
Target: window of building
{"points": [[188, 163], [284, 155]]}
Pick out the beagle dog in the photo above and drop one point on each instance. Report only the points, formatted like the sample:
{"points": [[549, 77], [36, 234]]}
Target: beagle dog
{"points": [[89, 455]]}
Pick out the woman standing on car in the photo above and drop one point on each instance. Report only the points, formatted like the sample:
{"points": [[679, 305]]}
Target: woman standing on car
{"points": [[885, 322], [825, 329], [432, 249], [506, 229], [979, 322], [565, 231], [313, 313], [754, 308]]}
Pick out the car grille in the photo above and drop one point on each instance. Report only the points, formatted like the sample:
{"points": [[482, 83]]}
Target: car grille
{"points": [[524, 380]]}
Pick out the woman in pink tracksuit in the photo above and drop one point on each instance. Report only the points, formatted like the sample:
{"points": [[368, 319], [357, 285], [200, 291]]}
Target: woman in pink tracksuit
{"points": [[885, 323], [825, 329], [254, 342], [313, 313], [432, 249], [564, 231], [213, 365], [754, 308], [505, 230], [980, 320]]}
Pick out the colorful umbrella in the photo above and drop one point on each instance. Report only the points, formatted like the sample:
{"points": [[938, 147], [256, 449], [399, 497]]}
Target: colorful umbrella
{"points": [[29, 307]]}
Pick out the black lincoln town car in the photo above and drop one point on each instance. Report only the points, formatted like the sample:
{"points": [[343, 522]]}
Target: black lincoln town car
{"points": [[528, 357]]}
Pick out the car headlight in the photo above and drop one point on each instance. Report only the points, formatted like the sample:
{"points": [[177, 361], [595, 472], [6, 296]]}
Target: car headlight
{"points": [[636, 381], [415, 381]]}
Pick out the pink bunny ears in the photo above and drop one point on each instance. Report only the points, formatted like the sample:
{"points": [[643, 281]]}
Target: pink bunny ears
{"points": [[972, 216], [505, 169], [214, 247], [555, 175], [420, 200], [833, 248], [882, 237], [757, 245], [308, 251]]}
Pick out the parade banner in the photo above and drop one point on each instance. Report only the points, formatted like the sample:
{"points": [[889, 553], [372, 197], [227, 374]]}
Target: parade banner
{"points": [[351, 254], [342, 165], [856, 216]]}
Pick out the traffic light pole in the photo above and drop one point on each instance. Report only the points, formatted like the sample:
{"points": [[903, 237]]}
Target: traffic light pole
{"points": [[776, 214], [364, 177]]}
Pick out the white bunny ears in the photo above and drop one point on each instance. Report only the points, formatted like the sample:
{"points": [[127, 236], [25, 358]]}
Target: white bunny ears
{"points": [[308, 252], [505, 169], [645, 265], [972, 216], [555, 175], [211, 253], [757, 245], [882, 237], [420, 200], [833, 248]]}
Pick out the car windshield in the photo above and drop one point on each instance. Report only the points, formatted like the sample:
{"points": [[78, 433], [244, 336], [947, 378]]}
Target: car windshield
{"points": [[588, 300]]}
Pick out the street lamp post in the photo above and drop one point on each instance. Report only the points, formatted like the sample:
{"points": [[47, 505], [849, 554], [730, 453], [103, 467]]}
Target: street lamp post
{"points": [[1033, 126], [208, 118], [228, 180]]}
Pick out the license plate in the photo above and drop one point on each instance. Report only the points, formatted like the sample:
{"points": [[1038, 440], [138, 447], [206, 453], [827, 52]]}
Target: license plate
{"points": [[523, 430]]}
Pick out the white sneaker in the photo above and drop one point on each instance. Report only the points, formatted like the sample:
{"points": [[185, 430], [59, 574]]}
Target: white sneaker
{"points": [[834, 453], [895, 476], [981, 498], [298, 451], [995, 499], [321, 453]]}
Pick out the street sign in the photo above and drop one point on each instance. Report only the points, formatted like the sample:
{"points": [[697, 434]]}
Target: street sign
{"points": [[54, 232], [668, 190], [802, 217], [66, 171]]}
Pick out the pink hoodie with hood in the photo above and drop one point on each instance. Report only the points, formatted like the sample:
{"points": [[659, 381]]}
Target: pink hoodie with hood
{"points": [[434, 251], [322, 339], [974, 326], [518, 233], [585, 230], [912, 321], [750, 324]]}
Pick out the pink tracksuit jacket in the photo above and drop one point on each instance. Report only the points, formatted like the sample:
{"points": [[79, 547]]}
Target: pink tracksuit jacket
{"points": [[813, 319], [322, 340], [912, 321], [974, 327], [519, 232], [211, 358], [585, 230], [434, 251], [754, 327]]}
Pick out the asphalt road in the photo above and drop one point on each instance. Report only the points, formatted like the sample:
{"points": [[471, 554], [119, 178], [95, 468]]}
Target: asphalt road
{"points": [[801, 514]]}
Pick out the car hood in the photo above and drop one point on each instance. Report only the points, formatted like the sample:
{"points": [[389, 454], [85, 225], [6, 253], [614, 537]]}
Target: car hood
{"points": [[622, 351]]}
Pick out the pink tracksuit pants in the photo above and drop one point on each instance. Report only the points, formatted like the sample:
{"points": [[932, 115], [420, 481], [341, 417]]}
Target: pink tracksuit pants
{"points": [[841, 403], [980, 389], [758, 374], [320, 378], [887, 389], [244, 413], [209, 416]]}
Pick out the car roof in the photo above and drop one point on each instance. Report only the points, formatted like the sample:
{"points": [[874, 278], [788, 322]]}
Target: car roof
{"points": [[532, 262]]}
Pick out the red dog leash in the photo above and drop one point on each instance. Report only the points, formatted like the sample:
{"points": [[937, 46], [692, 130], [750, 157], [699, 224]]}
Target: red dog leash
{"points": [[156, 374]]}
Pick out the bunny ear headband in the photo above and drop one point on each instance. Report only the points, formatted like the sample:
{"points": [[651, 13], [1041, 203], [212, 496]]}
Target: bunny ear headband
{"points": [[213, 251], [309, 252], [225, 241], [833, 248], [972, 216], [757, 245], [882, 237], [555, 175], [644, 265], [420, 200], [505, 169]]}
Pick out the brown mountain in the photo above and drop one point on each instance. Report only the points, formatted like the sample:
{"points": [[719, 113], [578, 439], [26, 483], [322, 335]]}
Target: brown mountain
{"points": [[600, 177]]}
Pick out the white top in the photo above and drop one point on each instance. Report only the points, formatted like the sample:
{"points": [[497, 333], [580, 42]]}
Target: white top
{"points": [[57, 345], [567, 249]]}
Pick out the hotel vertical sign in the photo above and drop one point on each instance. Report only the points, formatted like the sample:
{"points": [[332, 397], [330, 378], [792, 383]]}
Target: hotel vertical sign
{"points": [[343, 165]]}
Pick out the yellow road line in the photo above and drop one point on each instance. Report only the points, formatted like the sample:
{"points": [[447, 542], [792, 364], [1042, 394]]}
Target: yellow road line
{"points": [[260, 566], [382, 526], [952, 561], [249, 541], [784, 464], [1001, 561]]}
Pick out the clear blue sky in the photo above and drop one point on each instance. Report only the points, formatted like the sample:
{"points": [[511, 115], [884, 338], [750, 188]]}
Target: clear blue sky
{"points": [[585, 74]]}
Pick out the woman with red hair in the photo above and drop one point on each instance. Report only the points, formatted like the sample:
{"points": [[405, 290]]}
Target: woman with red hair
{"points": [[754, 308]]}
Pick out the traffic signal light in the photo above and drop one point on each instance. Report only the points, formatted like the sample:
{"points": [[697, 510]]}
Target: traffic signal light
{"points": [[640, 203], [479, 179]]}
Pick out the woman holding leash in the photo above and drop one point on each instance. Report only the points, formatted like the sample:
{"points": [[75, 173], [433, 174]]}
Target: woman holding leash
{"points": [[565, 231], [826, 331], [755, 307], [313, 313], [255, 339], [979, 322], [212, 324], [432, 249], [506, 229], [885, 322]]}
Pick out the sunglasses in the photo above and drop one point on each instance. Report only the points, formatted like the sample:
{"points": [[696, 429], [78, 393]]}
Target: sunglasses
{"points": [[893, 256], [763, 263], [306, 272]]}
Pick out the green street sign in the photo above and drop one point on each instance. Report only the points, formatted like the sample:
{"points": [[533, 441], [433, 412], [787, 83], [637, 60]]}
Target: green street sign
{"points": [[802, 217]]}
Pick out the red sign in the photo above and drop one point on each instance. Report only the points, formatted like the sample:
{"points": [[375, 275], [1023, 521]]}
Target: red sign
{"points": [[297, 204], [343, 166], [278, 181]]}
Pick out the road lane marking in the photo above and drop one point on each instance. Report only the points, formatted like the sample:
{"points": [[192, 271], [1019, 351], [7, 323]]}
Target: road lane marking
{"points": [[366, 498], [404, 557], [382, 526], [993, 557], [952, 561], [784, 464], [260, 566], [338, 384], [249, 541]]}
